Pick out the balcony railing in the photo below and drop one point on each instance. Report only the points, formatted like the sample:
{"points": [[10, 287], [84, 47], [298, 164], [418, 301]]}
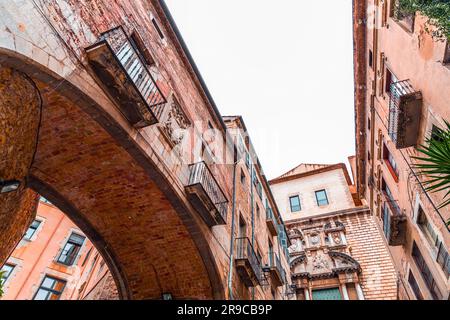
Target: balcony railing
{"points": [[124, 74], [271, 222], [276, 270], [404, 114], [394, 222], [206, 195], [248, 264]]}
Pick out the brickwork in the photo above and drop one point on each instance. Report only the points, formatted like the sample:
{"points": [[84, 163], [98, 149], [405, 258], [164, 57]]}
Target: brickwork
{"points": [[367, 246], [19, 110]]}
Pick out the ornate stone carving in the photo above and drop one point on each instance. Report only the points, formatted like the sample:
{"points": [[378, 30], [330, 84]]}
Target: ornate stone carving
{"points": [[320, 262], [174, 123], [296, 246]]}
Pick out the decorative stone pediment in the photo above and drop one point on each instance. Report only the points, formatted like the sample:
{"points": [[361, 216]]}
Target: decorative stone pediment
{"points": [[323, 264], [174, 122]]}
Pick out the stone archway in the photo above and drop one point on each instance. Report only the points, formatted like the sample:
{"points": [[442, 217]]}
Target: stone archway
{"points": [[87, 165]]}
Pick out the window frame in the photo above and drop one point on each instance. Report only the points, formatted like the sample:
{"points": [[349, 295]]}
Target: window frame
{"points": [[4, 279], [299, 204], [49, 290], [326, 197], [390, 162], [71, 256], [425, 272], [35, 230]]}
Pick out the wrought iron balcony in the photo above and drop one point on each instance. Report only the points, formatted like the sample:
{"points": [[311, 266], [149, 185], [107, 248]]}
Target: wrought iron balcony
{"points": [[248, 264], [271, 222], [404, 114], [394, 221], [120, 67], [276, 270], [206, 195]]}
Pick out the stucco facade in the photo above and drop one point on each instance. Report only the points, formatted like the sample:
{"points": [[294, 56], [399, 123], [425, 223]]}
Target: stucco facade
{"points": [[391, 52], [38, 256], [338, 251]]}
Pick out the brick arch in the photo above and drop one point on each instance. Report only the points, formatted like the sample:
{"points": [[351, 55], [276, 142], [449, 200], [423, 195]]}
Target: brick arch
{"points": [[88, 165]]}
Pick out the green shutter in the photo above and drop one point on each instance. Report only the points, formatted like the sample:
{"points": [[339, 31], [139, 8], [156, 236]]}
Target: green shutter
{"points": [[327, 294]]}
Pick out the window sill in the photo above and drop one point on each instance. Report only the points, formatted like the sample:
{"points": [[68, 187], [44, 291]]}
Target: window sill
{"points": [[391, 170]]}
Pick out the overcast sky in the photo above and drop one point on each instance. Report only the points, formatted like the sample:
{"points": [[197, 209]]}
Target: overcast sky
{"points": [[286, 68]]}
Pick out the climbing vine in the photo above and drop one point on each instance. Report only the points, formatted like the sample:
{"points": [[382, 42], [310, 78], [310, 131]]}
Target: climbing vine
{"points": [[437, 11]]}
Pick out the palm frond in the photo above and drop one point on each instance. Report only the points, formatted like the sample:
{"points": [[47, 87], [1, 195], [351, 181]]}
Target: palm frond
{"points": [[434, 163]]}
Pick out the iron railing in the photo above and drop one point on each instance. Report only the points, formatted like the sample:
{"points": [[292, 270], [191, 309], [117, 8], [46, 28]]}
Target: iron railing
{"points": [[275, 262], [245, 251], [398, 116], [134, 66], [200, 174]]}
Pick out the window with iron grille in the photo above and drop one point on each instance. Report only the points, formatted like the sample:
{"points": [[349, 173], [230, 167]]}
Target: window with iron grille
{"points": [[426, 273], [32, 229], [50, 289], [322, 198], [443, 259], [414, 286], [71, 249], [295, 204]]}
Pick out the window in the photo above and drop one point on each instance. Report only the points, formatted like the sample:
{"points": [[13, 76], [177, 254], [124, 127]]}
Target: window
{"points": [[71, 249], [390, 79], [295, 204], [370, 59], [141, 48], [243, 177], [426, 273], [247, 160], [447, 53], [32, 229], [436, 134], [368, 124], [158, 29], [321, 197], [327, 294], [258, 212], [390, 163], [386, 221], [443, 259], [426, 227], [50, 289], [414, 286], [7, 270]]}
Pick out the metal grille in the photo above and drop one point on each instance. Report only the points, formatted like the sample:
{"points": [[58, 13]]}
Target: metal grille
{"points": [[200, 174], [134, 66], [245, 251]]}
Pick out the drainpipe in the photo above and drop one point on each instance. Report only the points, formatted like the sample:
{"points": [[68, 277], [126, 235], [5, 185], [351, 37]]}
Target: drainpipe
{"points": [[252, 215], [233, 217]]}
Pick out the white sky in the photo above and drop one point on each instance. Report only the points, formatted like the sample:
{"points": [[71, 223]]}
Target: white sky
{"points": [[286, 68]]}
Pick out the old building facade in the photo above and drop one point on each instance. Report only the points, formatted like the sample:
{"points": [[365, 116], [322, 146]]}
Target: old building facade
{"points": [[402, 96], [55, 261], [337, 251], [108, 117]]}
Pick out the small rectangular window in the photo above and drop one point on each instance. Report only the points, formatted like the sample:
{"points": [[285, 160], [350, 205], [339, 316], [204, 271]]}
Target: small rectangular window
{"points": [[258, 212], [390, 163], [447, 53], [436, 134], [71, 249], [370, 59], [243, 179], [158, 29], [295, 204], [6, 270], [138, 43], [390, 79], [32, 229], [50, 289], [321, 197]]}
